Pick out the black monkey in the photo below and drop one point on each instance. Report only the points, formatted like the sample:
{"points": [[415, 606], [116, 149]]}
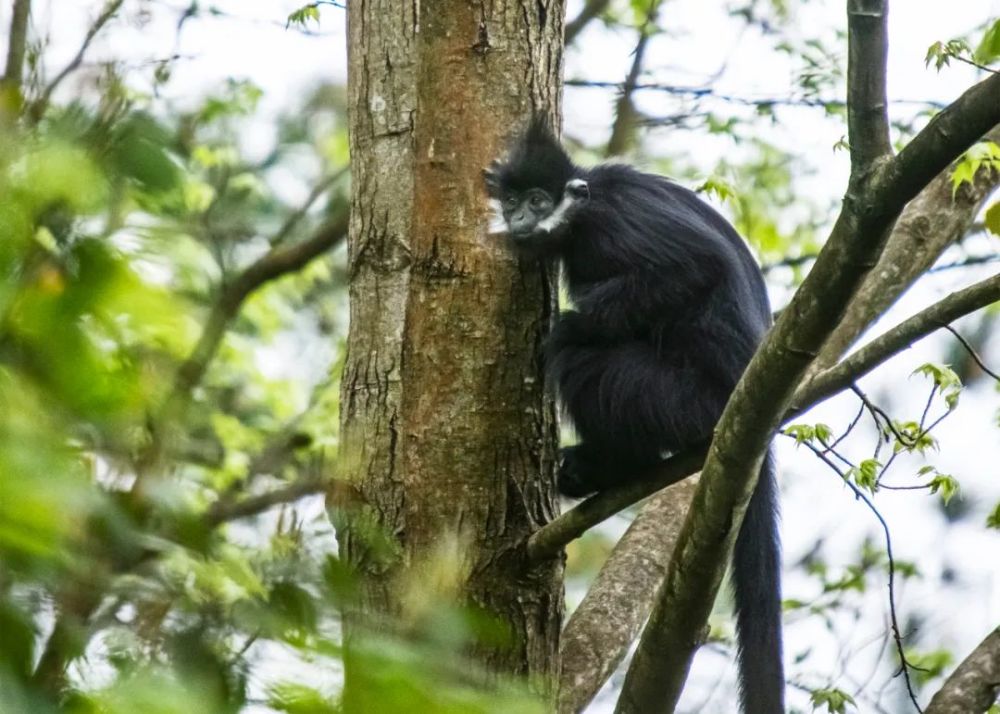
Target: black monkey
{"points": [[669, 309]]}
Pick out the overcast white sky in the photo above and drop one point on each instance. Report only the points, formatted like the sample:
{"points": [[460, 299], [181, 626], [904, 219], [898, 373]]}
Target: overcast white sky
{"points": [[249, 40]]}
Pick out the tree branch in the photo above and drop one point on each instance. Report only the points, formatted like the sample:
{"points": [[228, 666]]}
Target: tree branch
{"points": [[225, 511], [757, 405], [936, 219], [603, 627], [278, 262], [943, 140], [974, 684], [702, 91], [590, 10], [17, 42], [867, 109], [41, 104], [623, 130], [857, 364], [549, 540]]}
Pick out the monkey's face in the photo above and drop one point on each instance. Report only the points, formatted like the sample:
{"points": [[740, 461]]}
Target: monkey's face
{"points": [[524, 211]]}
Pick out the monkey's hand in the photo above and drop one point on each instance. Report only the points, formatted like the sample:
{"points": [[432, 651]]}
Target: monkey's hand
{"points": [[575, 194], [574, 478], [577, 189]]}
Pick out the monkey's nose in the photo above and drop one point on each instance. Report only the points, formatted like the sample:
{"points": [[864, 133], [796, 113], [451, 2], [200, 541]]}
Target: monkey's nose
{"points": [[519, 223]]}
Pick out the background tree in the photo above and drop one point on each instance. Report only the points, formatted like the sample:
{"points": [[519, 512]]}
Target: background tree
{"points": [[449, 453]]}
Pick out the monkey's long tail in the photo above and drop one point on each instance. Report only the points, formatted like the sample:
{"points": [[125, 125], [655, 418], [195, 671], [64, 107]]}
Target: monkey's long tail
{"points": [[757, 590]]}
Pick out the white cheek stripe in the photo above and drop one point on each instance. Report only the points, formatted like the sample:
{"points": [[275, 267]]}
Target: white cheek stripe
{"points": [[558, 216], [497, 224]]}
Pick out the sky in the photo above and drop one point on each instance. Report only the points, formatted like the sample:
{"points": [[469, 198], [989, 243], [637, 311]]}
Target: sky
{"points": [[248, 39]]}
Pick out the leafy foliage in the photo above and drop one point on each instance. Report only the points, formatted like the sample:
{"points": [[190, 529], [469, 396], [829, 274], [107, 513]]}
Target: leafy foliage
{"points": [[835, 700]]}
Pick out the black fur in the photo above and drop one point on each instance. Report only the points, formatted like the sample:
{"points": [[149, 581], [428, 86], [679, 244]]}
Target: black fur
{"points": [[669, 308]]}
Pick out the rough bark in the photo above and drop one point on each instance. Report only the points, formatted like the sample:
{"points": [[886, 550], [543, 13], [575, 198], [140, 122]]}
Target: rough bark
{"points": [[975, 683], [878, 190], [937, 218], [17, 43], [447, 433], [601, 630]]}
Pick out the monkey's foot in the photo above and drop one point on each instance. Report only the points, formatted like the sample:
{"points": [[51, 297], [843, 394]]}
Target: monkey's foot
{"points": [[572, 479]]}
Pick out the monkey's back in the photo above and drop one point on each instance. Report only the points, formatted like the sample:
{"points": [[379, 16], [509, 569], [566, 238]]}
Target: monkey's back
{"points": [[663, 234]]}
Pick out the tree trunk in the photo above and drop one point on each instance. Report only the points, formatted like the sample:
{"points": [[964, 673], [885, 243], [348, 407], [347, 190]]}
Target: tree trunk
{"points": [[447, 435]]}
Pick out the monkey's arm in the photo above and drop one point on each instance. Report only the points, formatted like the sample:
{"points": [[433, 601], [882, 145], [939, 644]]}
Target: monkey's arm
{"points": [[627, 305]]}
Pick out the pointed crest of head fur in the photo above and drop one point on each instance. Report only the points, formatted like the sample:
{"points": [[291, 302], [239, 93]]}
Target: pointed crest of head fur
{"points": [[536, 160]]}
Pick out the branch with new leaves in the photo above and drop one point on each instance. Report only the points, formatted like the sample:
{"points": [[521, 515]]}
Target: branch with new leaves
{"points": [[880, 186]]}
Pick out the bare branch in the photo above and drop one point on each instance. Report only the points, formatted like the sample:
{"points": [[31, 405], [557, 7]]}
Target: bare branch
{"points": [[897, 635], [972, 352], [623, 131], [223, 512], [603, 627], [590, 10], [867, 109], [871, 355], [936, 219], [17, 42], [943, 140], [974, 684], [708, 92], [278, 262], [295, 218], [549, 540], [41, 104]]}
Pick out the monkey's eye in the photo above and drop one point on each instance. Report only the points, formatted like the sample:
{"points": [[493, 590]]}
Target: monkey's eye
{"points": [[510, 203], [538, 201]]}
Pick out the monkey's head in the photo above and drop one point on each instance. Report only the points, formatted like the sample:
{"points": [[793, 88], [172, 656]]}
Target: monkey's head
{"points": [[534, 187]]}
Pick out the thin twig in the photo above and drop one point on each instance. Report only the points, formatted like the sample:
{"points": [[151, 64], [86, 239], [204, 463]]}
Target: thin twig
{"points": [[41, 104], [972, 352], [297, 215], [223, 512], [549, 540], [698, 92], [591, 9], [849, 429], [894, 622]]}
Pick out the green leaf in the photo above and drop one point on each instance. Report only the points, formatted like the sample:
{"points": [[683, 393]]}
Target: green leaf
{"points": [[993, 520], [928, 665], [936, 53], [989, 47], [801, 432], [947, 485], [982, 154], [992, 219], [866, 474], [303, 15], [945, 379], [718, 187], [835, 700], [299, 699]]}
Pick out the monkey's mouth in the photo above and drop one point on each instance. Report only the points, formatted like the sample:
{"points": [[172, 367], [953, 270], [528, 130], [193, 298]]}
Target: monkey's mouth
{"points": [[527, 241]]}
